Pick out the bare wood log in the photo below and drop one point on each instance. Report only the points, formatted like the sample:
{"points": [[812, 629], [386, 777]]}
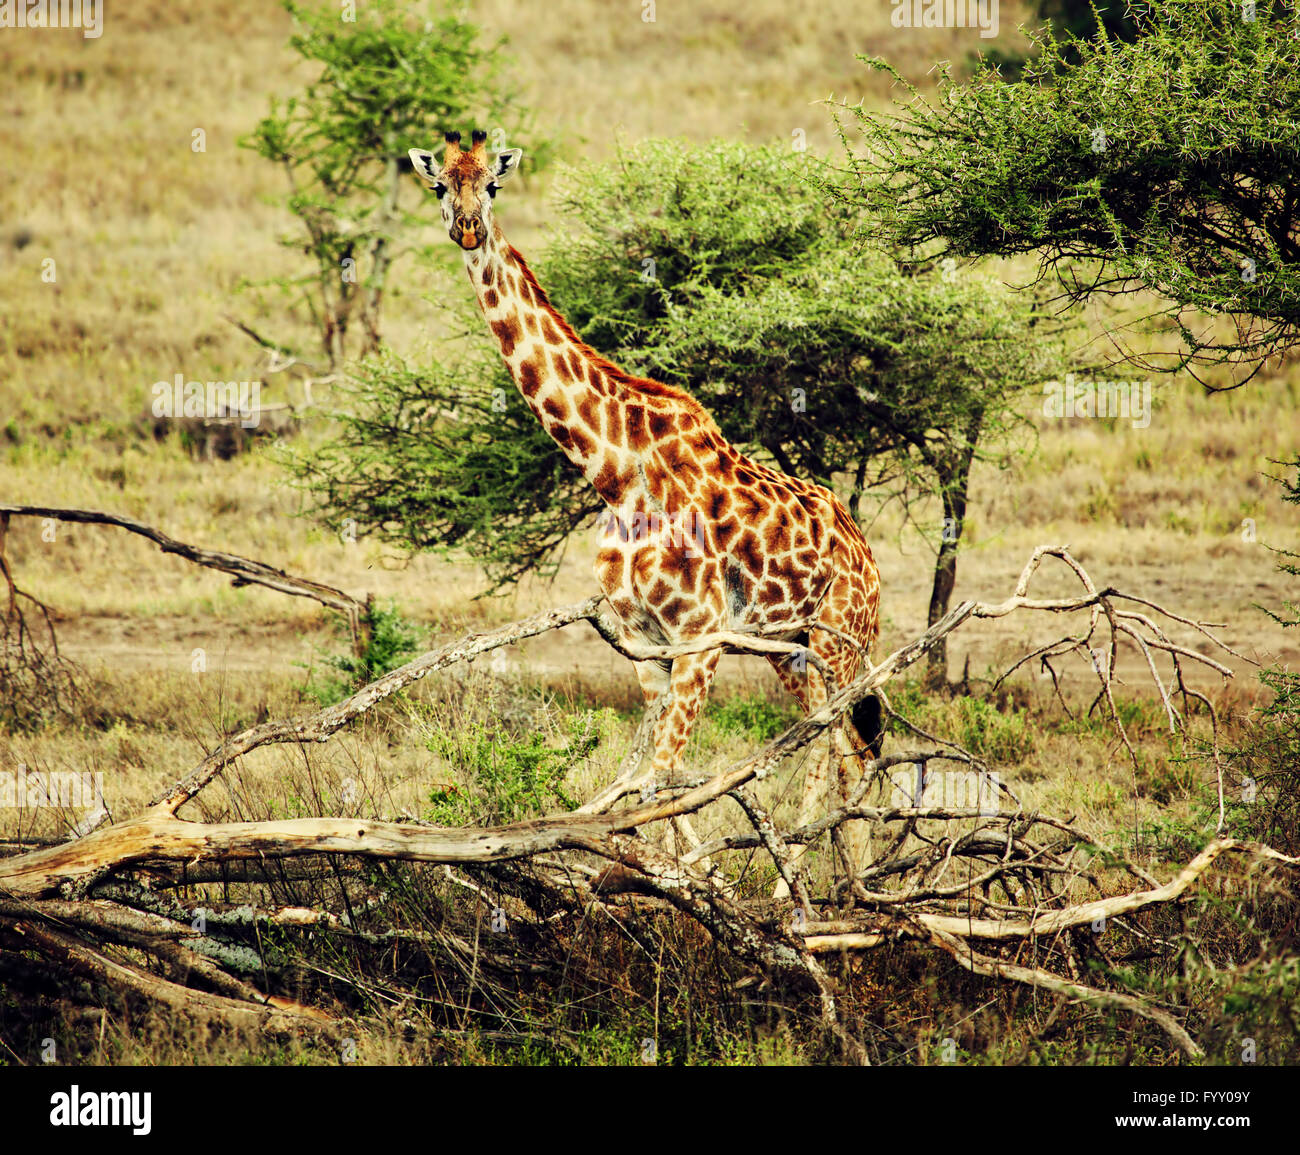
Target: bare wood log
{"points": [[98, 914], [157, 837], [253, 1010]]}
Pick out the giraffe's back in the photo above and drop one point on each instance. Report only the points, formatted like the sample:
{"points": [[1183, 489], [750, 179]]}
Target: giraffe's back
{"points": [[712, 540]]}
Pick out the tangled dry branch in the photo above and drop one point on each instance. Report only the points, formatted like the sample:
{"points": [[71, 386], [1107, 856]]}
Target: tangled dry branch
{"points": [[980, 883], [34, 677]]}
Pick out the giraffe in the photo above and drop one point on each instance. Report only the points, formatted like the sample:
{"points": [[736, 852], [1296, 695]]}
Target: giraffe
{"points": [[700, 538]]}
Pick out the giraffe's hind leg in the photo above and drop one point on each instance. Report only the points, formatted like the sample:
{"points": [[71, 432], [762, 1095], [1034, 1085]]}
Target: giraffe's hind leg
{"points": [[840, 748], [859, 732], [810, 693]]}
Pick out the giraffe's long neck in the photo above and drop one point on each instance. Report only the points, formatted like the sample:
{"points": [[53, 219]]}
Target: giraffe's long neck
{"points": [[576, 397]]}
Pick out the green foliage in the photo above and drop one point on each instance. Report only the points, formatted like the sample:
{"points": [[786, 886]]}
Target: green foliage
{"points": [[444, 458], [1170, 161], [721, 268], [394, 78], [504, 779], [757, 718], [997, 731], [391, 640], [990, 733], [718, 267]]}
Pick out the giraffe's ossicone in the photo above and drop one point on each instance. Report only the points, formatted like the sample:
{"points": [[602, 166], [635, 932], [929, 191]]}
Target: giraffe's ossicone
{"points": [[698, 537]]}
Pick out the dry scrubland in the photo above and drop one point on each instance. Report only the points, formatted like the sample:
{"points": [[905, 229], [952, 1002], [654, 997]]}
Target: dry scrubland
{"points": [[150, 240]]}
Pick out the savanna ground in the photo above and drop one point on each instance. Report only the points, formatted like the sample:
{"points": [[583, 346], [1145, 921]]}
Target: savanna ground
{"points": [[151, 241]]}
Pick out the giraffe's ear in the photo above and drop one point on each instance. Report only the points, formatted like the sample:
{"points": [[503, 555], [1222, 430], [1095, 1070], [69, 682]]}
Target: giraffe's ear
{"points": [[426, 168], [506, 164]]}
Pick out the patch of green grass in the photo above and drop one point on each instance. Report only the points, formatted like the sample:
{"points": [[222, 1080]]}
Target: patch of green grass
{"points": [[990, 733], [753, 716], [503, 779], [391, 640], [639, 1041]]}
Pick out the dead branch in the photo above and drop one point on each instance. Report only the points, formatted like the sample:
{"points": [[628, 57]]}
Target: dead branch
{"points": [[34, 676], [1053, 922], [251, 1009], [922, 895], [246, 571], [995, 968]]}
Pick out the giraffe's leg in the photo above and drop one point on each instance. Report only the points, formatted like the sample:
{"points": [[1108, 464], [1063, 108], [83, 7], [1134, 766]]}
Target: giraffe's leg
{"points": [[838, 749], [847, 739], [802, 682], [654, 680], [653, 677], [688, 684]]}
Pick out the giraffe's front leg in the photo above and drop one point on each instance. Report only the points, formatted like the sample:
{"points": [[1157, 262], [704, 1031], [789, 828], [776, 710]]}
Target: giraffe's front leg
{"points": [[654, 680], [688, 687]]}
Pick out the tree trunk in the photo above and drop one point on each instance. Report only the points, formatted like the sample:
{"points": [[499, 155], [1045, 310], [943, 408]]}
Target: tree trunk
{"points": [[954, 486]]}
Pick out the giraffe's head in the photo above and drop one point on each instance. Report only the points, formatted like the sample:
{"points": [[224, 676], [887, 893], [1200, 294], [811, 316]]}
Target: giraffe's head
{"points": [[465, 184]]}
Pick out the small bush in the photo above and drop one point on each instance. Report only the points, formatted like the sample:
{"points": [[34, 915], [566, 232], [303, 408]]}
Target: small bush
{"points": [[754, 717], [988, 733], [504, 779], [392, 640]]}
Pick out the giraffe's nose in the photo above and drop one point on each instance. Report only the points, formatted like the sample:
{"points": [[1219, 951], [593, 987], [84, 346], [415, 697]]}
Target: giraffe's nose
{"points": [[467, 233]]}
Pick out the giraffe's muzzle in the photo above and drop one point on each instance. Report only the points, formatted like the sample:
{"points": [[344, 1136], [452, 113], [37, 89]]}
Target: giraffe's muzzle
{"points": [[468, 233]]}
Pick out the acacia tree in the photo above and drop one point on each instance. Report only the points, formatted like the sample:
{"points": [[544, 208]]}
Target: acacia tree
{"points": [[717, 268], [1169, 163], [387, 79], [1067, 21]]}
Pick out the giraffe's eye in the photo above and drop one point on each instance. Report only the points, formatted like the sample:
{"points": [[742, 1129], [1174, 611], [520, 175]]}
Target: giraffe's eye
{"points": [[492, 189], [440, 191]]}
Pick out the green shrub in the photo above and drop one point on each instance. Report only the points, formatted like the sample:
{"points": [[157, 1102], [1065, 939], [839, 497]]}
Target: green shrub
{"points": [[754, 716], [989, 733], [392, 640], [505, 779]]}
